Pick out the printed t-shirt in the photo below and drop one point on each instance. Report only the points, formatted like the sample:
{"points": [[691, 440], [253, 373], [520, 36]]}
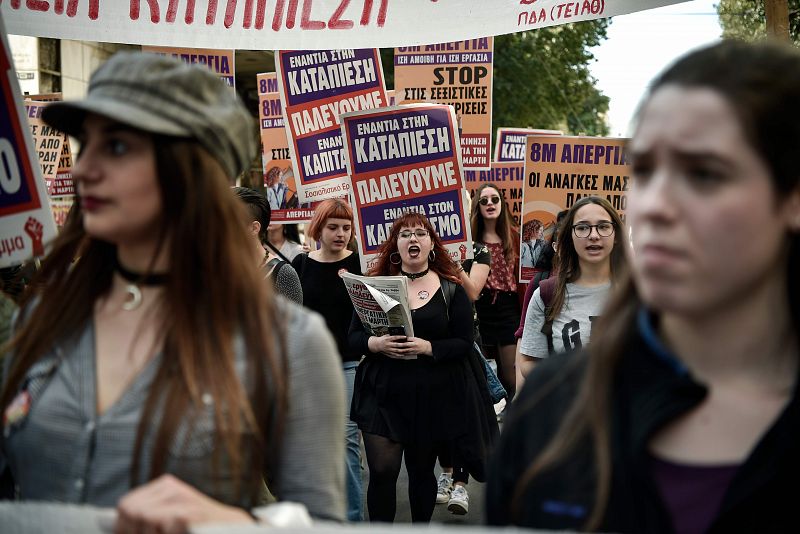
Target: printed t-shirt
{"points": [[571, 328]]}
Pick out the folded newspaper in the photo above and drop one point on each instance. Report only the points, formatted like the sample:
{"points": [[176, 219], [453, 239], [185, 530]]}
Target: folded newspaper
{"points": [[381, 303]]}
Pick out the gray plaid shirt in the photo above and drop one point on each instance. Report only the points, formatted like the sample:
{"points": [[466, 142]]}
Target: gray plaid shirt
{"points": [[63, 451]]}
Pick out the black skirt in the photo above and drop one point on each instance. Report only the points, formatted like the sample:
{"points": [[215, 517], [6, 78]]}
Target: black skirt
{"points": [[498, 317]]}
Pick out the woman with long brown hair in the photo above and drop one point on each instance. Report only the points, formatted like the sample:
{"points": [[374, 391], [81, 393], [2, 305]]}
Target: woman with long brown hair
{"points": [[591, 254], [416, 394], [498, 305], [151, 369], [684, 413]]}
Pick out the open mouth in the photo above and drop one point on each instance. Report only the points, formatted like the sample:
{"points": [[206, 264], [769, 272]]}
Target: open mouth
{"points": [[594, 248], [413, 251]]}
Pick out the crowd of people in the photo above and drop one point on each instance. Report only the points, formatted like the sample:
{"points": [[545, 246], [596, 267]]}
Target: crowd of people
{"points": [[194, 362]]}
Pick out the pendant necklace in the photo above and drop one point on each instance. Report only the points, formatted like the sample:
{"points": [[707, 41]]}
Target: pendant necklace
{"points": [[133, 297]]}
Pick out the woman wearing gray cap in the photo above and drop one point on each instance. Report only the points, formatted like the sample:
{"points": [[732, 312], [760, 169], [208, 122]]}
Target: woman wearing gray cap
{"points": [[151, 369]]}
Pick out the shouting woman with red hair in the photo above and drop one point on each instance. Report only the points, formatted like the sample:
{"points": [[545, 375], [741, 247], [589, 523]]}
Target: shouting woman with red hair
{"points": [[416, 394]]}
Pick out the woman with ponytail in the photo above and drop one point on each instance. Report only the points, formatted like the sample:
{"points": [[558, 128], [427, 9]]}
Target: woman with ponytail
{"points": [[683, 414]]}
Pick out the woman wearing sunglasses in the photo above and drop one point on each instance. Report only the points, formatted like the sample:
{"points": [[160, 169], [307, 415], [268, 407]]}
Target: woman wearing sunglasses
{"points": [[417, 395], [498, 304], [590, 254]]}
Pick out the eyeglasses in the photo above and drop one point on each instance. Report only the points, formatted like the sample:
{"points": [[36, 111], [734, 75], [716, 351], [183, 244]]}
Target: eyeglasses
{"points": [[406, 234], [494, 199], [583, 230]]}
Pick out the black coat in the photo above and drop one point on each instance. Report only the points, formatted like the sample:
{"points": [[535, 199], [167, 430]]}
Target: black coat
{"points": [[650, 389]]}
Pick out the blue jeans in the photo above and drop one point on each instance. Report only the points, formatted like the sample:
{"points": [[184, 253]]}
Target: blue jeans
{"points": [[354, 482]]}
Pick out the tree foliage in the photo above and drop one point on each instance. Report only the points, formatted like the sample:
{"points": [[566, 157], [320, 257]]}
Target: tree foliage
{"points": [[542, 79], [746, 19]]}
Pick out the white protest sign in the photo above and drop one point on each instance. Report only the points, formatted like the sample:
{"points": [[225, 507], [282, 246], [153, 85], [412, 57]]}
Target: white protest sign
{"points": [[26, 222], [299, 24]]}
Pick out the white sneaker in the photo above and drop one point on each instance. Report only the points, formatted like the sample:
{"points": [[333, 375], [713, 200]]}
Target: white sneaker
{"points": [[459, 501], [445, 486]]}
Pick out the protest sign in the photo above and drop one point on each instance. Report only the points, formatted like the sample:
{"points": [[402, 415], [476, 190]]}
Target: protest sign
{"points": [[282, 24], [406, 158], [62, 185], [218, 61], [26, 222], [381, 303], [507, 179], [279, 180], [459, 74], [561, 170], [47, 141], [316, 88], [60, 207], [509, 143]]}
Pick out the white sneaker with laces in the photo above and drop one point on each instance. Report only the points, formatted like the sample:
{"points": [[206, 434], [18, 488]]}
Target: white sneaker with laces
{"points": [[459, 501], [445, 486]]}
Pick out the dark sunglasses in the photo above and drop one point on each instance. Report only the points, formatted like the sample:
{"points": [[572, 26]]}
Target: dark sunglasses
{"points": [[494, 199]]}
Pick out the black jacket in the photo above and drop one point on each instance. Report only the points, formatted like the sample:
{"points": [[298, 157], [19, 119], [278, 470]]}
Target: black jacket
{"points": [[650, 389]]}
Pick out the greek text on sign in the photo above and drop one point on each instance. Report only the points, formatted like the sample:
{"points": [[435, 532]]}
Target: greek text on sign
{"points": [[561, 170], [316, 87], [458, 74], [298, 24], [402, 159]]}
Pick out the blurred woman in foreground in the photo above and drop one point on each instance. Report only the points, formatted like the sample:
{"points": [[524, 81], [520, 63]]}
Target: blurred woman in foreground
{"points": [[155, 372], [684, 413]]}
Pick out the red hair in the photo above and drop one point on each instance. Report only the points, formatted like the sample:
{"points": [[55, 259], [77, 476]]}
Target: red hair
{"points": [[441, 264], [333, 208]]}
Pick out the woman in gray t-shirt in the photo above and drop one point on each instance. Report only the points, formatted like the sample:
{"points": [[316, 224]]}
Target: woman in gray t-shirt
{"points": [[589, 255]]}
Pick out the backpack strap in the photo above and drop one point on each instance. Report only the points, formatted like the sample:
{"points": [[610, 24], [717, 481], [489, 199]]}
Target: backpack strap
{"points": [[448, 288], [276, 269], [303, 260], [547, 290]]}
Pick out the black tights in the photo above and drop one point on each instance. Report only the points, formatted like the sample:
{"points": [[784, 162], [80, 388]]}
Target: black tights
{"points": [[384, 457], [450, 459]]}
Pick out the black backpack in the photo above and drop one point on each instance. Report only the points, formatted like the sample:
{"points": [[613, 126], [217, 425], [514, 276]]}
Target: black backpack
{"points": [[547, 290]]}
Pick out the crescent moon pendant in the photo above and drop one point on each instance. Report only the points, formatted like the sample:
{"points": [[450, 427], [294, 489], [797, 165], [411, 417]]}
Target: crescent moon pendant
{"points": [[134, 297]]}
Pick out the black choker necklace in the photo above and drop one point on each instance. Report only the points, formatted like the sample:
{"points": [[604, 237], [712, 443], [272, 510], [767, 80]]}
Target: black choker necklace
{"points": [[414, 276], [134, 298]]}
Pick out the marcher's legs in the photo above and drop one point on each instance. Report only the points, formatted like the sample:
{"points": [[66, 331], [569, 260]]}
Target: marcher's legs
{"points": [[420, 461], [355, 485], [504, 356], [384, 458]]}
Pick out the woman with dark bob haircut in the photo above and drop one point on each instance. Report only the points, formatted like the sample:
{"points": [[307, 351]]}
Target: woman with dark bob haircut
{"points": [[151, 368], [683, 415], [416, 395]]}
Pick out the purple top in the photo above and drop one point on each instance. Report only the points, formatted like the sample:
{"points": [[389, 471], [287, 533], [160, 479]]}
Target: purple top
{"points": [[692, 494]]}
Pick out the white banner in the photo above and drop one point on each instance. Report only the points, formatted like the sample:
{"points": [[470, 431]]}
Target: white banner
{"points": [[298, 24]]}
